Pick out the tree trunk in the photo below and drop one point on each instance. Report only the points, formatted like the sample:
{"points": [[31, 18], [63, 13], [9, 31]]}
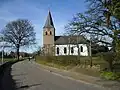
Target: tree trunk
{"points": [[78, 53], [111, 66], [114, 46], [18, 54], [69, 49], [90, 55], [69, 45]]}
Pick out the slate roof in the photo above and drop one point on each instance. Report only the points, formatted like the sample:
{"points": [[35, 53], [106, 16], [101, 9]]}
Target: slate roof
{"points": [[49, 21], [61, 40]]}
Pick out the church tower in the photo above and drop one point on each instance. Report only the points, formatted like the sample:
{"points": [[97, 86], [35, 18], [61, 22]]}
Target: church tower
{"points": [[48, 35]]}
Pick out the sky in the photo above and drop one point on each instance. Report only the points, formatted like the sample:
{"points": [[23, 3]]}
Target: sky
{"points": [[36, 11]]}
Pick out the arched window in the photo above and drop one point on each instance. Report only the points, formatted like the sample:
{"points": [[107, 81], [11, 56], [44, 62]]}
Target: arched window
{"points": [[50, 33], [65, 50], [72, 50], [46, 33], [57, 50], [81, 49]]}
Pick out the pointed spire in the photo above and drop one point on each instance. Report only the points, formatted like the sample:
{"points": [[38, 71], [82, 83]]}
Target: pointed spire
{"points": [[49, 21]]}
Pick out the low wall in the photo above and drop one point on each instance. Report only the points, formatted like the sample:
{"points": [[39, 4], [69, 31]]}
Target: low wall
{"points": [[4, 66]]}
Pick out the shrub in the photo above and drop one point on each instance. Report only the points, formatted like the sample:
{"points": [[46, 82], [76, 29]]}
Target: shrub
{"points": [[110, 75], [109, 57]]}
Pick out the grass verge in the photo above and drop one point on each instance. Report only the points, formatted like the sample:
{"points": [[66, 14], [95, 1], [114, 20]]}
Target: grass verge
{"points": [[72, 68]]}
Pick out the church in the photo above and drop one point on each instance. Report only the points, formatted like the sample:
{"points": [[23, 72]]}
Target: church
{"points": [[62, 45]]}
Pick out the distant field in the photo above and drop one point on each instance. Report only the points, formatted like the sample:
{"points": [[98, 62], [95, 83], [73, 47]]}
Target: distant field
{"points": [[9, 59], [6, 59]]}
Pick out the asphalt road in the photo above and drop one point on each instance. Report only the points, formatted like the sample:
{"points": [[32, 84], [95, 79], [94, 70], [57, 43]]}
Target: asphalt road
{"points": [[27, 76]]}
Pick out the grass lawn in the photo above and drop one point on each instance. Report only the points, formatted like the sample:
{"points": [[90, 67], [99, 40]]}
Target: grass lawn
{"points": [[76, 68], [7, 59]]}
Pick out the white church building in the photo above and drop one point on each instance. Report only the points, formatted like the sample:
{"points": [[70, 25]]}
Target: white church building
{"points": [[62, 45]]}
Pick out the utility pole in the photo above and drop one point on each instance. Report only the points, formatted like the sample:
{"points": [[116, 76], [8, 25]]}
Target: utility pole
{"points": [[2, 54], [90, 53], [69, 41], [79, 54], [2, 51]]}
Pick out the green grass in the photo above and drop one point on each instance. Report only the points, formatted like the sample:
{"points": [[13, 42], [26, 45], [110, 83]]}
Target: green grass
{"points": [[10, 59], [110, 75], [7, 59]]}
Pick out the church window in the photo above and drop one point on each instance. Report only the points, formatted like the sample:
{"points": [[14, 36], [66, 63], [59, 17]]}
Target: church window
{"points": [[72, 50], [65, 50], [57, 50], [45, 33], [81, 48], [50, 33]]}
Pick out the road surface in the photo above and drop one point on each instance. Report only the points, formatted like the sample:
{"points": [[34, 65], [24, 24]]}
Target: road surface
{"points": [[26, 75]]}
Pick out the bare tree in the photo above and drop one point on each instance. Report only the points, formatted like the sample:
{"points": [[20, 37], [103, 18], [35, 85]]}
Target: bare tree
{"points": [[38, 51], [74, 40], [19, 33]]}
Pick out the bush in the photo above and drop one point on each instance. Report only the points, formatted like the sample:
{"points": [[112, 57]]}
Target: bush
{"points": [[110, 75], [109, 57]]}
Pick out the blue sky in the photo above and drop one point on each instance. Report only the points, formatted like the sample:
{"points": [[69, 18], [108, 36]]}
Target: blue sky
{"points": [[36, 11]]}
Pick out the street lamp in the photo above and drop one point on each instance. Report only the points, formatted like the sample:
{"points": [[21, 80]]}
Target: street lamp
{"points": [[90, 52]]}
